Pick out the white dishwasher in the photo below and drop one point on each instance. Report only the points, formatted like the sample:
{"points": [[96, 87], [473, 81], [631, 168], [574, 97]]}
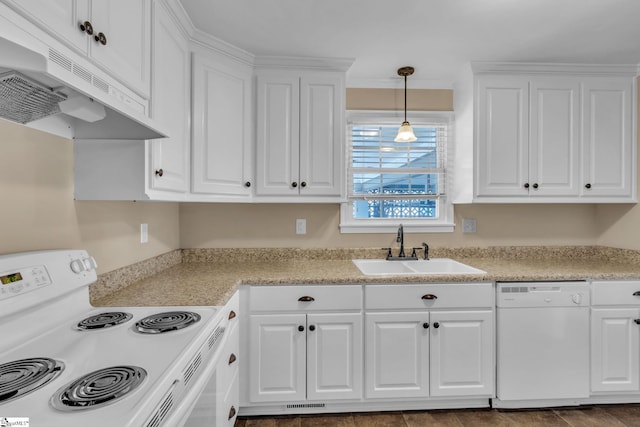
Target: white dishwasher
{"points": [[543, 343]]}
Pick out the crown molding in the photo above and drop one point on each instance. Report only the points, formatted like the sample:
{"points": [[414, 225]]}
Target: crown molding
{"points": [[301, 62], [630, 70]]}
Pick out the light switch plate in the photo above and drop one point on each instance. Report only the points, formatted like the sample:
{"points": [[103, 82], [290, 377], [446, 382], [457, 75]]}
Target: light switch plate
{"points": [[301, 226], [144, 233]]}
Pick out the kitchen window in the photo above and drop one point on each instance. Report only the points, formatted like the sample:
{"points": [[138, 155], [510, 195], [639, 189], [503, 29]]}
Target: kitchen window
{"points": [[391, 182]]}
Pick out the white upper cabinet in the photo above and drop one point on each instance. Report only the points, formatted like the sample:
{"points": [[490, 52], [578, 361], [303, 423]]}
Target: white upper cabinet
{"points": [[503, 127], [608, 139], [156, 169], [300, 134], [561, 135], [115, 34], [528, 136], [170, 105], [222, 162]]}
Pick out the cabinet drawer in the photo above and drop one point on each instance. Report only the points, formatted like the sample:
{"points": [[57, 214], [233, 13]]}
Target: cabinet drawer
{"points": [[305, 298], [451, 295], [229, 359], [615, 293], [229, 409]]}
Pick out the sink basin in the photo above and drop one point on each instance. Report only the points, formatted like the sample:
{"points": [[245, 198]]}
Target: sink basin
{"points": [[381, 267]]}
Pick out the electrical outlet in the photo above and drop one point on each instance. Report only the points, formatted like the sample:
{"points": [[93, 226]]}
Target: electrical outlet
{"points": [[144, 233], [301, 226], [468, 225]]}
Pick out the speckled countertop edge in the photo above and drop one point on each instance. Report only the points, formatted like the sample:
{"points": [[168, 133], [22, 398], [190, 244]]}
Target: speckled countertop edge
{"points": [[211, 276]]}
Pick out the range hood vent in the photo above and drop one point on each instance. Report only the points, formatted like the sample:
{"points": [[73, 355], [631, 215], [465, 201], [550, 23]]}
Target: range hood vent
{"points": [[24, 100], [85, 102]]}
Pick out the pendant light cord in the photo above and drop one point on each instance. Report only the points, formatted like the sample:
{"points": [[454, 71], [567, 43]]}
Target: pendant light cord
{"points": [[405, 97]]}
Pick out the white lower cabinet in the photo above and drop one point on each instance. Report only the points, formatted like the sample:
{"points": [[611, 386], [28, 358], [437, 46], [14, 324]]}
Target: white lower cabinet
{"points": [[277, 357], [461, 353], [337, 348], [334, 356], [397, 356], [615, 337], [429, 340], [297, 354], [297, 357], [420, 354]]}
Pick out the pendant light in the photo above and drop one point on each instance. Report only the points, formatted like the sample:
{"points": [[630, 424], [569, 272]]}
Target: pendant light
{"points": [[405, 133]]}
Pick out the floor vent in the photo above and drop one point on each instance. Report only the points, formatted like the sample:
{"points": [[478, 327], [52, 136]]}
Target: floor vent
{"points": [[305, 405]]}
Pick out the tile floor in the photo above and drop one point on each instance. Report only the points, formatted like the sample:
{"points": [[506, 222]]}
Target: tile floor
{"points": [[595, 416]]}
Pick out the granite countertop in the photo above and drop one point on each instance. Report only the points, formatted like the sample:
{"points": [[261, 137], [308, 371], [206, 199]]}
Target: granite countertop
{"points": [[207, 278]]}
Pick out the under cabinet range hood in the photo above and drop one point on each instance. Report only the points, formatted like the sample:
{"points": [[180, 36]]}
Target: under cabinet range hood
{"points": [[51, 88]]}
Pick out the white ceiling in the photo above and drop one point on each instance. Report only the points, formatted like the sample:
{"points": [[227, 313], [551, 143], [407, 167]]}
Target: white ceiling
{"points": [[437, 37]]}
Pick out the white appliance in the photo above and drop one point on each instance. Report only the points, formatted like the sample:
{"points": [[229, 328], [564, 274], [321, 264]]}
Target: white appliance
{"points": [[543, 344], [34, 72], [66, 363]]}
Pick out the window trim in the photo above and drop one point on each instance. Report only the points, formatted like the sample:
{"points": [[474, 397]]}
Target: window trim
{"points": [[445, 222]]}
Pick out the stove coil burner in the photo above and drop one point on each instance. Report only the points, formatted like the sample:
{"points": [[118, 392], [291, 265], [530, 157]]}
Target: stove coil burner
{"points": [[23, 376], [104, 320], [167, 321], [98, 388]]}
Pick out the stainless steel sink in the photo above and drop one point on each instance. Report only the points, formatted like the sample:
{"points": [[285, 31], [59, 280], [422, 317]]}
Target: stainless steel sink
{"points": [[381, 267]]}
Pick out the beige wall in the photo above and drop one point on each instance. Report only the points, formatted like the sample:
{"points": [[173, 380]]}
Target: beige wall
{"points": [[38, 210], [393, 99], [273, 225]]}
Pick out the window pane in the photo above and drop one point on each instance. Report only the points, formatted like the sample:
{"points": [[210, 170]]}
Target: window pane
{"points": [[394, 183], [388, 179], [398, 208], [373, 147]]}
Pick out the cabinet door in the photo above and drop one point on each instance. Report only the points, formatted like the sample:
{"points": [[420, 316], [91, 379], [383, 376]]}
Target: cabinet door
{"points": [[502, 136], [397, 355], [554, 154], [127, 27], [61, 18], [278, 138], [607, 129], [169, 157], [222, 123], [321, 135], [461, 353], [615, 358], [277, 357], [334, 356]]}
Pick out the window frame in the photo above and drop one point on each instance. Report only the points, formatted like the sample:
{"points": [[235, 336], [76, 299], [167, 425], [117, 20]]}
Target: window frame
{"points": [[445, 221]]}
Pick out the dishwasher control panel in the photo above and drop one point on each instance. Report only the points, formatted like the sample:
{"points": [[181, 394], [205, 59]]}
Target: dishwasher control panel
{"points": [[542, 294]]}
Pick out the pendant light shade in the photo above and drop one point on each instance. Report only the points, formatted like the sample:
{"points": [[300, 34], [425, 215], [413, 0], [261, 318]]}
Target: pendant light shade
{"points": [[405, 133]]}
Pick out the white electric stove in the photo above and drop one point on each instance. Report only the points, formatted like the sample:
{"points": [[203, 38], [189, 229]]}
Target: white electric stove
{"points": [[66, 363]]}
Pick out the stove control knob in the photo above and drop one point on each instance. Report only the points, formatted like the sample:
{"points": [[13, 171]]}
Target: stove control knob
{"points": [[77, 266], [89, 263], [576, 298]]}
